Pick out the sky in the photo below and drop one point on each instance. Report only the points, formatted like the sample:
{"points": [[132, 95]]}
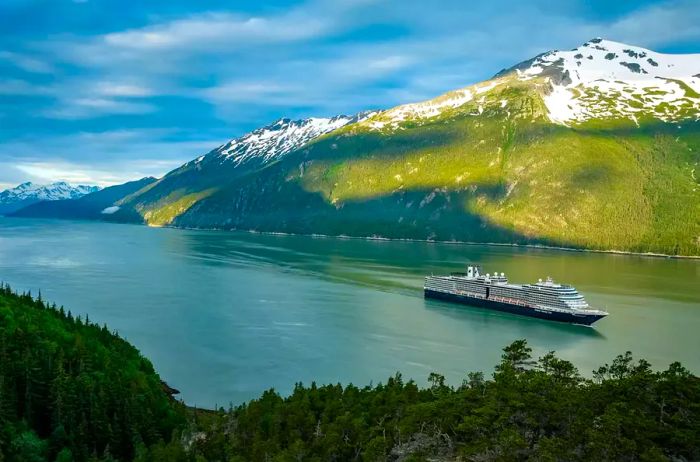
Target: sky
{"points": [[106, 91]]}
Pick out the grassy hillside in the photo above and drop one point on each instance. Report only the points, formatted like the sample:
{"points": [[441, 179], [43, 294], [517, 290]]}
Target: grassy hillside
{"points": [[557, 151], [493, 170]]}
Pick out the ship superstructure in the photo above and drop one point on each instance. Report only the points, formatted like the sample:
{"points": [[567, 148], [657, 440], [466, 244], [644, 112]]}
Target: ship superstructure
{"points": [[543, 299]]}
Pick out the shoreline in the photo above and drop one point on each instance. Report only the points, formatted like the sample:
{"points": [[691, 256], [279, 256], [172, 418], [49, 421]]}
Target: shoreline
{"points": [[388, 239], [429, 241]]}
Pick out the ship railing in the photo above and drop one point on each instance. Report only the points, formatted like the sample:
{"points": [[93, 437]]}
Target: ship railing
{"points": [[512, 301]]}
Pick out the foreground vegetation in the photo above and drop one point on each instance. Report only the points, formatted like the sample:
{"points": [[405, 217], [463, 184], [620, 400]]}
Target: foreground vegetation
{"points": [[73, 391]]}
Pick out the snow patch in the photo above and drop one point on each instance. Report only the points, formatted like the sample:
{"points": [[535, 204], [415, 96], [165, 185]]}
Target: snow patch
{"points": [[603, 78], [110, 210], [282, 137]]}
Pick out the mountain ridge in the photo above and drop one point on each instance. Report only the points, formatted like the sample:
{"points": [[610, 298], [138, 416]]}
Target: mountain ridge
{"points": [[562, 150], [91, 206], [28, 193]]}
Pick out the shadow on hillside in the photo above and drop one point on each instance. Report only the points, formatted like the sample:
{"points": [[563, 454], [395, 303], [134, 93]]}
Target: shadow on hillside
{"points": [[284, 206]]}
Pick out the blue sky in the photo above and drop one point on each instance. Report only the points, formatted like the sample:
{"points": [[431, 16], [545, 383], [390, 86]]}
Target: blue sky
{"points": [[102, 91]]}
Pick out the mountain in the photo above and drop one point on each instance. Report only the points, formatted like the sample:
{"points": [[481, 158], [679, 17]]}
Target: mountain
{"points": [[29, 193], [596, 147], [178, 190], [93, 206]]}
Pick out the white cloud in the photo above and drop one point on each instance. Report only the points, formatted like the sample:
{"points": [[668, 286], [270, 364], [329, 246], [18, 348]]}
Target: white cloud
{"points": [[101, 158], [215, 29], [90, 107], [27, 63], [123, 89]]}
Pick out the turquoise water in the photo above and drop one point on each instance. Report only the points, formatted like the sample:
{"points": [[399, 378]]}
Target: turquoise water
{"points": [[224, 316]]}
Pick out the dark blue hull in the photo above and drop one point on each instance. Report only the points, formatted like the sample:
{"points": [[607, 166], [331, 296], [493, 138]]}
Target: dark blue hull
{"points": [[585, 319]]}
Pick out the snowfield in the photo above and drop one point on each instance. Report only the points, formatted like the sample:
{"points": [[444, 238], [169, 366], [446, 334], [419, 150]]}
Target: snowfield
{"points": [[602, 79], [51, 192], [274, 141]]}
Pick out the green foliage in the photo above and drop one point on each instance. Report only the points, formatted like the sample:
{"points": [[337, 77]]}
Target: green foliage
{"points": [[530, 410], [493, 170], [73, 391]]}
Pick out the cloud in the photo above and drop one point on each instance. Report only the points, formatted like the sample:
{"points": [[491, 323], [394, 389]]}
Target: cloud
{"points": [[27, 63], [90, 107], [18, 87], [213, 29], [123, 89], [101, 158], [217, 74], [659, 25]]}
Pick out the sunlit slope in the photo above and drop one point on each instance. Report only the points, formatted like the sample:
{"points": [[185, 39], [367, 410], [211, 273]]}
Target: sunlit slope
{"points": [[177, 191], [596, 148], [492, 170]]}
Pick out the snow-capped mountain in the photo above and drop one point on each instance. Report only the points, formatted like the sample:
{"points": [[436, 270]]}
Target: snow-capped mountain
{"points": [[596, 147], [277, 139], [28, 193], [600, 79], [240, 156]]}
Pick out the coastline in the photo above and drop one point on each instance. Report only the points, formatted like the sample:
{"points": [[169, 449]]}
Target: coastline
{"points": [[432, 241], [381, 238]]}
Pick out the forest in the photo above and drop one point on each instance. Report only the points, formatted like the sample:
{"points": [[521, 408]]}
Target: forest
{"points": [[71, 390]]}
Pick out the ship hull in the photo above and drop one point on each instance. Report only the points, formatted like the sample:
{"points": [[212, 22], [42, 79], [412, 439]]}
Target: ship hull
{"points": [[584, 319]]}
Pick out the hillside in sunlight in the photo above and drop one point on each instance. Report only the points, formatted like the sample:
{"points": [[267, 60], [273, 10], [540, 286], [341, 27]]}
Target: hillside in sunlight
{"points": [[595, 148]]}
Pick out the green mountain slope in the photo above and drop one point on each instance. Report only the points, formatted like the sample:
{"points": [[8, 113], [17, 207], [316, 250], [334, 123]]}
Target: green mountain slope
{"points": [[555, 151], [595, 148]]}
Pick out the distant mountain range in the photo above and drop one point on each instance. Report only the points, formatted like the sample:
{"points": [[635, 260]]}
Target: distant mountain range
{"points": [[29, 193], [597, 148], [94, 206]]}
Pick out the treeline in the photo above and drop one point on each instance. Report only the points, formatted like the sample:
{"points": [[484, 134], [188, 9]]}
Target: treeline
{"points": [[73, 391], [530, 410]]}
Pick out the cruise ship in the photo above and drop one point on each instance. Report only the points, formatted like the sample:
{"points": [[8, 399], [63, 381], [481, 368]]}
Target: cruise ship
{"points": [[544, 299]]}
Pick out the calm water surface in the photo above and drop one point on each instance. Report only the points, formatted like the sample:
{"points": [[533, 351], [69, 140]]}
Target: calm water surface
{"points": [[224, 316]]}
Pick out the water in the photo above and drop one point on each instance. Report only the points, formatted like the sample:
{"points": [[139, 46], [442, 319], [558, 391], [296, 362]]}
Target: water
{"points": [[224, 316]]}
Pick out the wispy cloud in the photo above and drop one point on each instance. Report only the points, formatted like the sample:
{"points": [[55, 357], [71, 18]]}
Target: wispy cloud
{"points": [[26, 62], [93, 97], [85, 108], [659, 25], [101, 158], [207, 30]]}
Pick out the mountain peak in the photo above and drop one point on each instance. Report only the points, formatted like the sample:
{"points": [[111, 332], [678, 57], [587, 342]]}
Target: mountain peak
{"points": [[605, 78], [28, 192], [276, 139]]}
